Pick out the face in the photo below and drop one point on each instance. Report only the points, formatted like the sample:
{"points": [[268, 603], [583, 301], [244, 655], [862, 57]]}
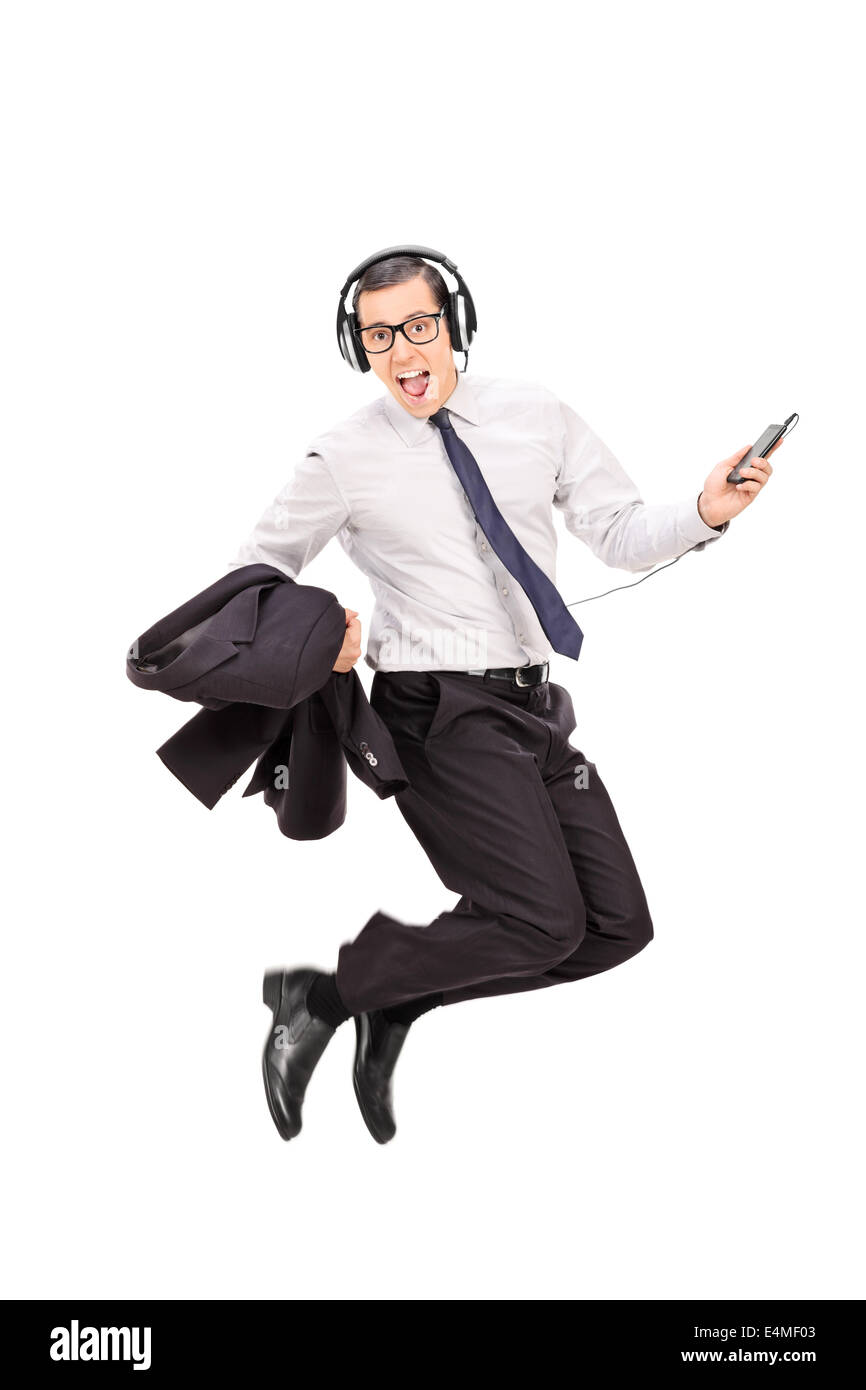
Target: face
{"points": [[394, 305]]}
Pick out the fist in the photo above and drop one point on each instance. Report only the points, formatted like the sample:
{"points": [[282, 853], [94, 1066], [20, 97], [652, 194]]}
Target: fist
{"points": [[351, 648]]}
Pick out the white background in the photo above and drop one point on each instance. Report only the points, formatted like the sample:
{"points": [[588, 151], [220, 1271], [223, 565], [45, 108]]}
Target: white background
{"points": [[655, 207]]}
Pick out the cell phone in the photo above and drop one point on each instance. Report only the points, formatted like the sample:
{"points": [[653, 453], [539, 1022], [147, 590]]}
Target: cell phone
{"points": [[760, 449]]}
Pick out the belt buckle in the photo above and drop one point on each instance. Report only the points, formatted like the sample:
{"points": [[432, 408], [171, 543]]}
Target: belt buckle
{"points": [[517, 671]]}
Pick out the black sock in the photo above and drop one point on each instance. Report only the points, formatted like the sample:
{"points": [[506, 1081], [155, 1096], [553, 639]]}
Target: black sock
{"points": [[412, 1009], [323, 1001]]}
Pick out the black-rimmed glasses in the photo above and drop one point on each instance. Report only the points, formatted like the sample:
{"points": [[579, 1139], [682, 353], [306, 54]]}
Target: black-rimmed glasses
{"points": [[423, 328]]}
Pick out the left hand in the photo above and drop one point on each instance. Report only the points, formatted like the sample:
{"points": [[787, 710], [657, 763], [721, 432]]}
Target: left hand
{"points": [[720, 500]]}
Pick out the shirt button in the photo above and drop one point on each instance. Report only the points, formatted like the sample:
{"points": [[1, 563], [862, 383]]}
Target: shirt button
{"points": [[505, 591], [483, 545]]}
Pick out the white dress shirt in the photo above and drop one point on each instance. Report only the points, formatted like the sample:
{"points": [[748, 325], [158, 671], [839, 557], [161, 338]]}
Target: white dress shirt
{"points": [[382, 483]]}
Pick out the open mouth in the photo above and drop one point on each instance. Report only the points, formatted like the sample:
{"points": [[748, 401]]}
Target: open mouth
{"points": [[414, 383]]}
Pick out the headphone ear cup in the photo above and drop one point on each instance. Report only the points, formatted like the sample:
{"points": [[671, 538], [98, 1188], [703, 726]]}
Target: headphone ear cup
{"points": [[455, 318], [470, 319], [460, 329], [350, 345]]}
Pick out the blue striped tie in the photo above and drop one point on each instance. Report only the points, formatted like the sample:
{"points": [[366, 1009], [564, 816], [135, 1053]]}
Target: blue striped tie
{"points": [[559, 626]]}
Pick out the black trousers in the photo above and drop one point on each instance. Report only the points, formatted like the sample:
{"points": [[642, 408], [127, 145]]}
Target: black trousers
{"points": [[518, 822]]}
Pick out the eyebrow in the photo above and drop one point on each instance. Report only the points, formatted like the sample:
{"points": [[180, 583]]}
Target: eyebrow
{"points": [[414, 314]]}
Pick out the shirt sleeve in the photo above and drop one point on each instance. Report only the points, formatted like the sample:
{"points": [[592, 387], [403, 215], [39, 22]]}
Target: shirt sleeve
{"points": [[603, 507], [302, 518]]}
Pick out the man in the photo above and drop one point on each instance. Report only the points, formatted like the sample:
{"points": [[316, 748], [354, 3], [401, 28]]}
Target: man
{"points": [[512, 817]]}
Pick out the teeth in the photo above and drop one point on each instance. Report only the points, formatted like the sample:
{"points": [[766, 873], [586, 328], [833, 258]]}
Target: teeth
{"points": [[401, 375]]}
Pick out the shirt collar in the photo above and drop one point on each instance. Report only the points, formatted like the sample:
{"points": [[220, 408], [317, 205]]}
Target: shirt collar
{"points": [[462, 402]]}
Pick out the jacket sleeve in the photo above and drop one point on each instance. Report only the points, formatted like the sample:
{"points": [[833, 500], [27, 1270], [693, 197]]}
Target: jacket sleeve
{"points": [[603, 507], [302, 518]]}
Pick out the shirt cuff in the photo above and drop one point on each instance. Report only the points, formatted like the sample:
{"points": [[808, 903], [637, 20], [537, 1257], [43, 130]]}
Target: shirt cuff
{"points": [[693, 527]]}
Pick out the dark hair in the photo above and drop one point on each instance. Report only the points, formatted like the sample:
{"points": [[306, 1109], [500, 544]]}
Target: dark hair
{"points": [[396, 271]]}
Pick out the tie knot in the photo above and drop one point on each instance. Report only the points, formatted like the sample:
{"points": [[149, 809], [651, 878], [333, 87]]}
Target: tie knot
{"points": [[442, 419]]}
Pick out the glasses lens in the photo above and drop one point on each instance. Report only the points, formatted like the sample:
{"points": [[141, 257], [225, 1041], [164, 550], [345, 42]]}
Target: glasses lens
{"points": [[421, 330], [377, 339]]}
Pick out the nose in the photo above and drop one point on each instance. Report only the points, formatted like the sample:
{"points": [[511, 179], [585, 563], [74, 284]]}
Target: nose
{"points": [[401, 348], [406, 358]]}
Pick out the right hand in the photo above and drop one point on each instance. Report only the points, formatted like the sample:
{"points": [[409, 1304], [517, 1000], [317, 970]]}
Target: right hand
{"points": [[351, 648]]}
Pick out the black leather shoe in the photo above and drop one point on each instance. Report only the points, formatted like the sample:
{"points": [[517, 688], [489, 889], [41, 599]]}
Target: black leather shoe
{"points": [[293, 1046], [377, 1047]]}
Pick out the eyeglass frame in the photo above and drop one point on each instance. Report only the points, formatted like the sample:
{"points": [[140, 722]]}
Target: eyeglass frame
{"points": [[402, 327]]}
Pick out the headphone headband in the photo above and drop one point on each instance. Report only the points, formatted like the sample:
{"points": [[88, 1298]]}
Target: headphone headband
{"points": [[459, 308]]}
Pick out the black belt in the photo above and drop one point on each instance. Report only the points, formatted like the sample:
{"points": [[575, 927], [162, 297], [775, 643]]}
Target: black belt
{"points": [[518, 675]]}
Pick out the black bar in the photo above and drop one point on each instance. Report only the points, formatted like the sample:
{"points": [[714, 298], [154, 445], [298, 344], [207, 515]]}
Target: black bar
{"points": [[608, 1337]]}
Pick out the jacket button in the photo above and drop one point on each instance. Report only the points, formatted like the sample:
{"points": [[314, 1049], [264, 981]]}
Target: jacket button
{"points": [[363, 746]]}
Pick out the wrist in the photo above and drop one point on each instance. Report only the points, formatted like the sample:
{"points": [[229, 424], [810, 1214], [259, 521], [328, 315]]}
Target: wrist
{"points": [[708, 515]]}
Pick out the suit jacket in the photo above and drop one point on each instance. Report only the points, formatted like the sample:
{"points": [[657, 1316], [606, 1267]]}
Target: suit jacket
{"points": [[256, 650]]}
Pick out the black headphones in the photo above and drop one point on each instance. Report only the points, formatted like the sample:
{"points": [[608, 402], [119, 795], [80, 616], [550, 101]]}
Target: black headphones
{"points": [[459, 309]]}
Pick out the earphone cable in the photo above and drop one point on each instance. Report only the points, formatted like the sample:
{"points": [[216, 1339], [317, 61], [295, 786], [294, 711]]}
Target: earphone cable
{"points": [[634, 581]]}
